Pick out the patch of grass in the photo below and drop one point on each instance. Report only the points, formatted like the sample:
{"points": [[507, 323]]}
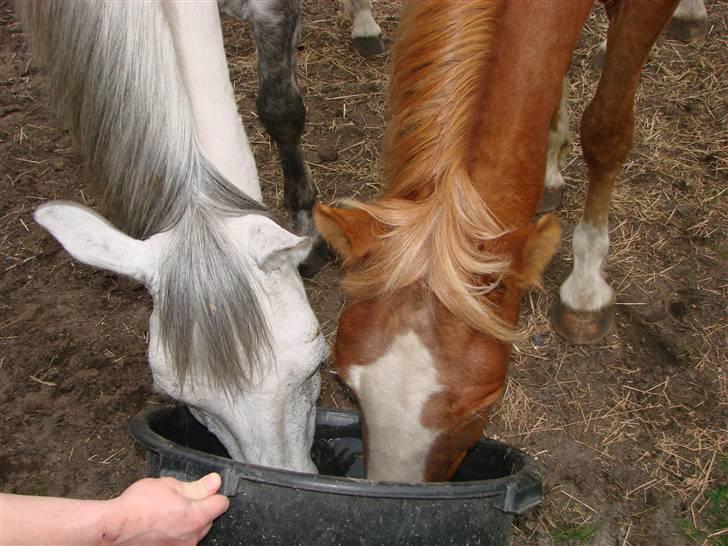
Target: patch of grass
{"points": [[715, 514], [689, 530], [35, 490], [570, 532]]}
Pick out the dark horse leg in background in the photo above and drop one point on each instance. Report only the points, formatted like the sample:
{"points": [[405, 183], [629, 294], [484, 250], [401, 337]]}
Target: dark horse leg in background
{"points": [[281, 110]]}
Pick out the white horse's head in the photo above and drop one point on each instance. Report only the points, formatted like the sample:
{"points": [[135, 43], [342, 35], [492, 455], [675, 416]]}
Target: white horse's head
{"points": [[270, 419]]}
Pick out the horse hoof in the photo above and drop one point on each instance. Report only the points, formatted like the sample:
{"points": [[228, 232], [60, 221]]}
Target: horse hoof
{"points": [[550, 199], [315, 260], [688, 30], [369, 46], [582, 327]]}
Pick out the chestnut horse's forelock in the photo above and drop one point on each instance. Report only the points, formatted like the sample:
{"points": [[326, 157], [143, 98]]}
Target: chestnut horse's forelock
{"points": [[434, 218]]}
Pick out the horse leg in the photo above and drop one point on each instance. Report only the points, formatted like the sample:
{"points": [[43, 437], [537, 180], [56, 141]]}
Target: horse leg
{"points": [[366, 36], [281, 110], [689, 22], [559, 144], [586, 308]]}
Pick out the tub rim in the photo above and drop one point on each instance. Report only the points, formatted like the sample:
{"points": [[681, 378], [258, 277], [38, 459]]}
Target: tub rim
{"points": [[520, 491]]}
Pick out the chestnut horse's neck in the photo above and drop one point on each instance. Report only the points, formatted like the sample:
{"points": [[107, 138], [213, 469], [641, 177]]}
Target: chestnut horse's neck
{"points": [[531, 56], [474, 86]]}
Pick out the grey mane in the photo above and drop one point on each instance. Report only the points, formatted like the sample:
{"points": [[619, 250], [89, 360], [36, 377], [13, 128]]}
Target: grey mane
{"points": [[113, 75]]}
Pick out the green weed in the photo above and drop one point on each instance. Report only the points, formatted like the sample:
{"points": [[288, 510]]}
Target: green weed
{"points": [[715, 515], [570, 532]]}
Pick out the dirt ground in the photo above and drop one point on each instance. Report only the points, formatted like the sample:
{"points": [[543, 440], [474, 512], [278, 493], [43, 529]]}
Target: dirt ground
{"points": [[631, 433]]}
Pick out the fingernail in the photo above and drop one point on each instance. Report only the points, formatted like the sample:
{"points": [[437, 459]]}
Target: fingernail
{"points": [[212, 481]]}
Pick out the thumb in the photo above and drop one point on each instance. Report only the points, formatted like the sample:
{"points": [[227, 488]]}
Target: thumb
{"points": [[202, 488]]}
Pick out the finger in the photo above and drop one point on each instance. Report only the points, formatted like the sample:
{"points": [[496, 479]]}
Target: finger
{"points": [[204, 532], [202, 488], [212, 507]]}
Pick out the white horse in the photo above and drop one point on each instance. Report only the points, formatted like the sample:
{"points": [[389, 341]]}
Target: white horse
{"points": [[144, 90]]}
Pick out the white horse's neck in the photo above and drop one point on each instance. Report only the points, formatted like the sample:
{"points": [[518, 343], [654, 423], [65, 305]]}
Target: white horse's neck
{"points": [[198, 40]]}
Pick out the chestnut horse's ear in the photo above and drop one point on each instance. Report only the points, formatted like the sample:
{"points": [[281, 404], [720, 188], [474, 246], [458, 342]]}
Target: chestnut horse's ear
{"points": [[352, 232], [542, 241]]}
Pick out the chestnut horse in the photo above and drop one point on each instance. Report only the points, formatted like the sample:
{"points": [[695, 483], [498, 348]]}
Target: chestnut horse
{"points": [[436, 266]]}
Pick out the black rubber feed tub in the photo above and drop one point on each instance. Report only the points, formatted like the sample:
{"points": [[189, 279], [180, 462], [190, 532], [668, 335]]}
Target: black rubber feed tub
{"points": [[271, 506]]}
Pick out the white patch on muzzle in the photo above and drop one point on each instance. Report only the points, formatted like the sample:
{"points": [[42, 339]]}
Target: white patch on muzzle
{"points": [[392, 392]]}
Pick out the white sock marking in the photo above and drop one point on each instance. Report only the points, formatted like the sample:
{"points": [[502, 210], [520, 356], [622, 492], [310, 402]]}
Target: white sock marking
{"points": [[585, 289], [691, 10], [363, 24]]}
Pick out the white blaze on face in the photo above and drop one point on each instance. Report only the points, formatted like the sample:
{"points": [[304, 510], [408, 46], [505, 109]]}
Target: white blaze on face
{"points": [[392, 392]]}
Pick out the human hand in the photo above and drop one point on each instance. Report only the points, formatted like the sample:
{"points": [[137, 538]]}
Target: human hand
{"points": [[164, 511]]}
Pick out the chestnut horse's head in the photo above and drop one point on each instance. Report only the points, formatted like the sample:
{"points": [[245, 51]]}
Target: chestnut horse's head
{"points": [[436, 265], [426, 372]]}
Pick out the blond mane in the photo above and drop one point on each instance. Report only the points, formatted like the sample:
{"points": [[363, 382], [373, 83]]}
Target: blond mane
{"points": [[434, 217]]}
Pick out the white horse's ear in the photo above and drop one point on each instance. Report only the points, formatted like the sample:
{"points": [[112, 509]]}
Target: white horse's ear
{"points": [[91, 239], [272, 246]]}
